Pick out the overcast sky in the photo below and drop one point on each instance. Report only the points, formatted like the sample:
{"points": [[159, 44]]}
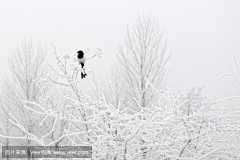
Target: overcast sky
{"points": [[203, 36]]}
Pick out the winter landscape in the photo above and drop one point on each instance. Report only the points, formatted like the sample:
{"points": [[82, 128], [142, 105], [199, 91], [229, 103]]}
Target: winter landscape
{"points": [[132, 80]]}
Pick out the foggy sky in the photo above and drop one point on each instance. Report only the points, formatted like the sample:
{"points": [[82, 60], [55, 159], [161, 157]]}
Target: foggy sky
{"points": [[202, 36]]}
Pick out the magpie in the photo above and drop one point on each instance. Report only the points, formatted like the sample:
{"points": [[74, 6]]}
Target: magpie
{"points": [[81, 60]]}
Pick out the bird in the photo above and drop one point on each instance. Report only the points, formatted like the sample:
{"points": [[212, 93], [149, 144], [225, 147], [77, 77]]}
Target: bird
{"points": [[81, 60]]}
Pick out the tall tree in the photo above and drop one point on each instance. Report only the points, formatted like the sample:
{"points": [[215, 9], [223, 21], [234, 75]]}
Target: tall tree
{"points": [[26, 63], [142, 56]]}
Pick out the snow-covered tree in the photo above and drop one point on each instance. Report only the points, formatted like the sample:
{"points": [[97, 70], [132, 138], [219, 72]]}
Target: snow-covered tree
{"points": [[26, 62], [180, 126], [143, 54]]}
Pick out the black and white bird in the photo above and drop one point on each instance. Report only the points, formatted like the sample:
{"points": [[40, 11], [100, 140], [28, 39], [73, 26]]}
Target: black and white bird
{"points": [[81, 59]]}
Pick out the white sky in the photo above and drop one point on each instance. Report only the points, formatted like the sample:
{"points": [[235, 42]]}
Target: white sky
{"points": [[202, 35]]}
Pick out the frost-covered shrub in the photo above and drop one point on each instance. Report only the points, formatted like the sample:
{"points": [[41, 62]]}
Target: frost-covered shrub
{"points": [[180, 126]]}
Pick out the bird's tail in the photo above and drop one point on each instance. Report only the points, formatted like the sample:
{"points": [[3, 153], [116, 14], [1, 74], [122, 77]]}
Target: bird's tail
{"points": [[83, 73]]}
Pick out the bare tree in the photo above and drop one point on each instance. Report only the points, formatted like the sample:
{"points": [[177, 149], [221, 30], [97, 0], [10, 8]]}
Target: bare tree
{"points": [[143, 55], [26, 63]]}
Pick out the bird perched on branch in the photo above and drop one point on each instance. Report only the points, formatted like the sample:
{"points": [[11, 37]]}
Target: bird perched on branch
{"points": [[81, 59]]}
